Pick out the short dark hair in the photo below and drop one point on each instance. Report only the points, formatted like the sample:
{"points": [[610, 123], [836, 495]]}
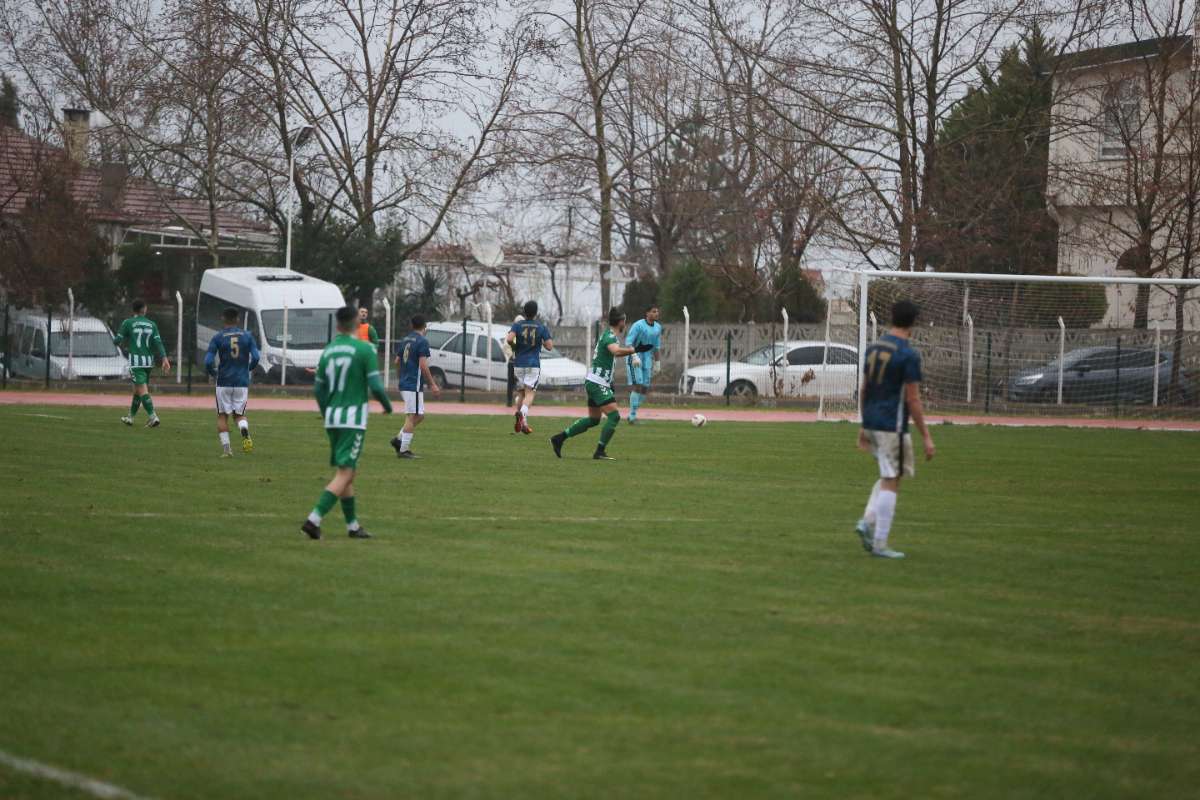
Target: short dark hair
{"points": [[418, 323], [615, 316], [346, 317], [529, 309], [650, 308], [230, 315], [139, 306], [904, 314]]}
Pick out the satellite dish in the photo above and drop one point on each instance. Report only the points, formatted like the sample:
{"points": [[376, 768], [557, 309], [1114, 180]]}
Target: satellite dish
{"points": [[839, 284], [486, 249]]}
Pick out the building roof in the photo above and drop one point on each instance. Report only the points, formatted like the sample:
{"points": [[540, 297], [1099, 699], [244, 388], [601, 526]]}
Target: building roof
{"points": [[1126, 51], [108, 193]]}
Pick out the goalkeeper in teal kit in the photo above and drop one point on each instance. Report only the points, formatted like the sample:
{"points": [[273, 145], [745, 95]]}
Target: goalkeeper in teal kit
{"points": [[639, 367]]}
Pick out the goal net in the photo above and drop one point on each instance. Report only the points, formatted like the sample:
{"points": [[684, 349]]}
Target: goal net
{"points": [[1028, 346]]}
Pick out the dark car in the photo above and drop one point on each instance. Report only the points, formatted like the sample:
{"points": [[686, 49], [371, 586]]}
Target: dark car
{"points": [[1093, 375]]}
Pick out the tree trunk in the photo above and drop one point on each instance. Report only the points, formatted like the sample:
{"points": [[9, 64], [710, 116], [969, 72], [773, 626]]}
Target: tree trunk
{"points": [[1141, 307]]}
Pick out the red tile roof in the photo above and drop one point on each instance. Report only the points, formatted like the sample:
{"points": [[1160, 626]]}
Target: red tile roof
{"points": [[107, 193]]}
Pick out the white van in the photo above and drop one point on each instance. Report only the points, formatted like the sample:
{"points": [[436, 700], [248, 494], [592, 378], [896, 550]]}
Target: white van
{"points": [[87, 352], [260, 294]]}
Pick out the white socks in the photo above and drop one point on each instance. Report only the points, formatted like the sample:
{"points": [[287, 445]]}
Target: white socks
{"points": [[405, 441], [244, 427], [869, 511], [224, 437], [353, 526], [314, 517], [524, 411], [885, 510]]}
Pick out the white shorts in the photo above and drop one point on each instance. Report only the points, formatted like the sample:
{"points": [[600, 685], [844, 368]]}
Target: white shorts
{"points": [[232, 400], [527, 376], [414, 402], [893, 451]]}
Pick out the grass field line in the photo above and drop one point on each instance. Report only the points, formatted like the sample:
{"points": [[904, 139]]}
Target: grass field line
{"points": [[67, 778], [282, 515]]}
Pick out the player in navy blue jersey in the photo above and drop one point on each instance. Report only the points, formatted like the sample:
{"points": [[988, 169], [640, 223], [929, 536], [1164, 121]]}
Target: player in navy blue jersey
{"points": [[231, 355], [527, 337], [891, 394], [412, 354]]}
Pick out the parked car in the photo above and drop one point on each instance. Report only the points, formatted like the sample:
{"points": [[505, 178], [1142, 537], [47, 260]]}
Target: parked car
{"points": [[260, 295], [1090, 375], [447, 346], [805, 375], [88, 352]]}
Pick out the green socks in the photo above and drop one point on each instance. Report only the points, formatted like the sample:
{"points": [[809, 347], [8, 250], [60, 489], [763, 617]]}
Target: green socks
{"points": [[610, 427], [134, 405], [348, 511], [324, 505], [149, 404], [580, 425]]}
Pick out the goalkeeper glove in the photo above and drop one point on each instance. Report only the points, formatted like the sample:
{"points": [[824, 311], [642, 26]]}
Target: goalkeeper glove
{"points": [[643, 348]]}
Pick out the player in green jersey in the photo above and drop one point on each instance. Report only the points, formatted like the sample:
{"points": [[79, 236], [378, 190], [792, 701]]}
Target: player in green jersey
{"points": [[347, 372], [139, 336], [598, 384]]}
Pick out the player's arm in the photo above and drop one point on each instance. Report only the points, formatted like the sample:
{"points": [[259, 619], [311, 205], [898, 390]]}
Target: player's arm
{"points": [[373, 335], [122, 334], [321, 388], [379, 391], [428, 377], [252, 347], [210, 357], [160, 349], [912, 398], [620, 352], [548, 344]]}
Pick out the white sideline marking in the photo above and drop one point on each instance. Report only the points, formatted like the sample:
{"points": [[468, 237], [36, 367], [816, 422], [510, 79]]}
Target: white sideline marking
{"points": [[67, 778], [45, 416]]}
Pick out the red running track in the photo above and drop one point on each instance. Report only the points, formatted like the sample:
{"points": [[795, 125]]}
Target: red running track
{"points": [[451, 408]]}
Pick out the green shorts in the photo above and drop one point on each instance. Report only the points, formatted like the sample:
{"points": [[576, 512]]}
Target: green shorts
{"points": [[139, 375], [597, 395], [345, 446]]}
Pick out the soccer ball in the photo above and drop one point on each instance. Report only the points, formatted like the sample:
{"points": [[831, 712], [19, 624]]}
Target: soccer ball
{"points": [[698, 420]]}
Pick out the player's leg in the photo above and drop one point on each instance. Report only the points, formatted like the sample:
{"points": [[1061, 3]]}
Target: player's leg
{"points": [[143, 389], [345, 444], [580, 425], [866, 524], [530, 391], [892, 465], [138, 378], [353, 529], [223, 430], [612, 418]]}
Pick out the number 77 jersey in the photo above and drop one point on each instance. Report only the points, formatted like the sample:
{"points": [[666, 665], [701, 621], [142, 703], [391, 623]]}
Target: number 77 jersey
{"points": [[343, 379]]}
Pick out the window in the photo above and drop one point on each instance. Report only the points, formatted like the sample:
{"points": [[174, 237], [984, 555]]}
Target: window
{"points": [[437, 338], [84, 344], [837, 355], [481, 349], [806, 356], [1098, 361], [22, 337], [1120, 120], [455, 345], [208, 311], [1137, 359], [308, 328], [39, 345]]}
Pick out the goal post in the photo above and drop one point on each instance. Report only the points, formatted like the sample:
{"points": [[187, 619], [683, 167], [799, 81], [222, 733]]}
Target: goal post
{"points": [[1035, 345]]}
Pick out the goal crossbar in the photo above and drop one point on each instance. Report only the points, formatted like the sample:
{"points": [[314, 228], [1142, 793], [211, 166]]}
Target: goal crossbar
{"points": [[1006, 278]]}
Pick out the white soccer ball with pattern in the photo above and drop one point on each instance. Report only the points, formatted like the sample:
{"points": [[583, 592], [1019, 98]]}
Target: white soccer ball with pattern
{"points": [[698, 420]]}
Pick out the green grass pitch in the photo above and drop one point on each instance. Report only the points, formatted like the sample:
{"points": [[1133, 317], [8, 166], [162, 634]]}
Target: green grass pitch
{"points": [[694, 620]]}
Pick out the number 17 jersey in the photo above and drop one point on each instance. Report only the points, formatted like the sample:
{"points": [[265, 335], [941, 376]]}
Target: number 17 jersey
{"points": [[343, 374], [888, 365]]}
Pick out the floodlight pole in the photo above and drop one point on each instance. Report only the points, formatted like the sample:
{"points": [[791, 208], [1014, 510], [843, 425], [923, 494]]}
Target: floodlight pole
{"points": [[970, 356], [784, 365], [71, 335], [178, 337], [1062, 346], [297, 141], [687, 346]]}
